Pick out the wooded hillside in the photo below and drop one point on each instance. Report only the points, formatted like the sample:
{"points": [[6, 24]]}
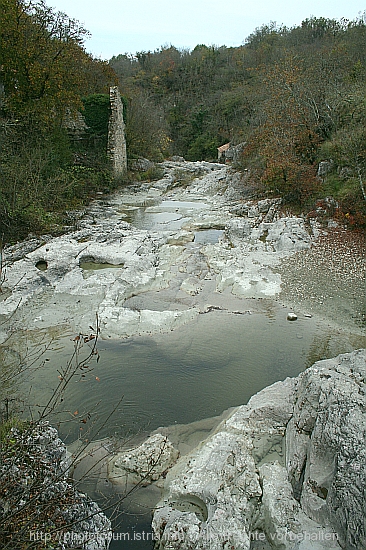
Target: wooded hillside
{"points": [[46, 76], [295, 97]]}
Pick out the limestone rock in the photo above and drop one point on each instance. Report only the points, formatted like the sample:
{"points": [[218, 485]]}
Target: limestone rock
{"points": [[213, 494], [330, 410], [141, 165], [324, 167], [146, 463], [286, 525], [39, 471], [291, 316], [104, 260], [204, 509], [238, 482], [288, 234]]}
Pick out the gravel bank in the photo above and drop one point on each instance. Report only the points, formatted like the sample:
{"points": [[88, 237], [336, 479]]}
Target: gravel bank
{"points": [[329, 279]]}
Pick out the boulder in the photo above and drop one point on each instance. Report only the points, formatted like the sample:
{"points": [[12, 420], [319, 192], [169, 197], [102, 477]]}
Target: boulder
{"points": [[139, 473], [141, 165], [146, 463], [288, 234]]}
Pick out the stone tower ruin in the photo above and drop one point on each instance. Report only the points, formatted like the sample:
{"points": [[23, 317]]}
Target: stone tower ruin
{"points": [[116, 134]]}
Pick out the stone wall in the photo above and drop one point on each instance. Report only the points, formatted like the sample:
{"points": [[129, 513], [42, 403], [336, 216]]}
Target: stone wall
{"points": [[116, 134]]}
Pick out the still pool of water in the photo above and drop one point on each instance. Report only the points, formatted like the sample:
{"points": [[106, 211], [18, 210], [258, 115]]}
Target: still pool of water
{"points": [[208, 236], [217, 361], [163, 215]]}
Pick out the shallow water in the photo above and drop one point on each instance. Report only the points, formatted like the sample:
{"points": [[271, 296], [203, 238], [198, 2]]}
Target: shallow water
{"points": [[208, 236], [163, 215], [218, 360]]}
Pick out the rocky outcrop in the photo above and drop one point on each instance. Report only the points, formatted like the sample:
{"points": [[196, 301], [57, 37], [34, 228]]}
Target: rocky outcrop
{"points": [[288, 468], [141, 165], [326, 456], [147, 463], [36, 492]]}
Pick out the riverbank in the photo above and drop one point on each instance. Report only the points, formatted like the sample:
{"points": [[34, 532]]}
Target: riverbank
{"points": [[330, 278]]}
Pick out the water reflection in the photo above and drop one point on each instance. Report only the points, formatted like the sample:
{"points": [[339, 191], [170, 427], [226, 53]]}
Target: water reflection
{"points": [[217, 361], [161, 215], [208, 236]]}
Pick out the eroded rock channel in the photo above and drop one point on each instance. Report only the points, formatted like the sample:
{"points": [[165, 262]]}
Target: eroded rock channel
{"points": [[193, 282]]}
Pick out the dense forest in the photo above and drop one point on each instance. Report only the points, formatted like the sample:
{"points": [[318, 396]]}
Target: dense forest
{"points": [[292, 97]]}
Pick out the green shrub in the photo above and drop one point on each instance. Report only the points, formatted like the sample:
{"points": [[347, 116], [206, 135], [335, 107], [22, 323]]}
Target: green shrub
{"points": [[96, 113]]}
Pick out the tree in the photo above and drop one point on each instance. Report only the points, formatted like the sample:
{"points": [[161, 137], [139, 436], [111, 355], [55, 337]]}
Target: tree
{"points": [[45, 72], [347, 151], [146, 129], [41, 54], [286, 138]]}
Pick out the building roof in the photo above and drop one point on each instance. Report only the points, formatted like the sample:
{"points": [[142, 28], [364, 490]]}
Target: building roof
{"points": [[223, 148]]}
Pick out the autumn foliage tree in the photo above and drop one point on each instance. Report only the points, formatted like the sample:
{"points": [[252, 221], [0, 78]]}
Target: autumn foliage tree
{"points": [[286, 139], [41, 56], [44, 74]]}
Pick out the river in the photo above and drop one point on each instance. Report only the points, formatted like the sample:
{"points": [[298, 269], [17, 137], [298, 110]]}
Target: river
{"points": [[192, 308]]}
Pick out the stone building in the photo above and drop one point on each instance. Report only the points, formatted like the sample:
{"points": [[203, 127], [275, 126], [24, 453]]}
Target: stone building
{"points": [[229, 153], [221, 152]]}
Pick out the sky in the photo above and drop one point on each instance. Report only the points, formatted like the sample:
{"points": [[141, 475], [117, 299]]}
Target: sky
{"points": [[121, 26]]}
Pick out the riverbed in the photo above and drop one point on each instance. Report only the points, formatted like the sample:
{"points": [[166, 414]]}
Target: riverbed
{"points": [[188, 290]]}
